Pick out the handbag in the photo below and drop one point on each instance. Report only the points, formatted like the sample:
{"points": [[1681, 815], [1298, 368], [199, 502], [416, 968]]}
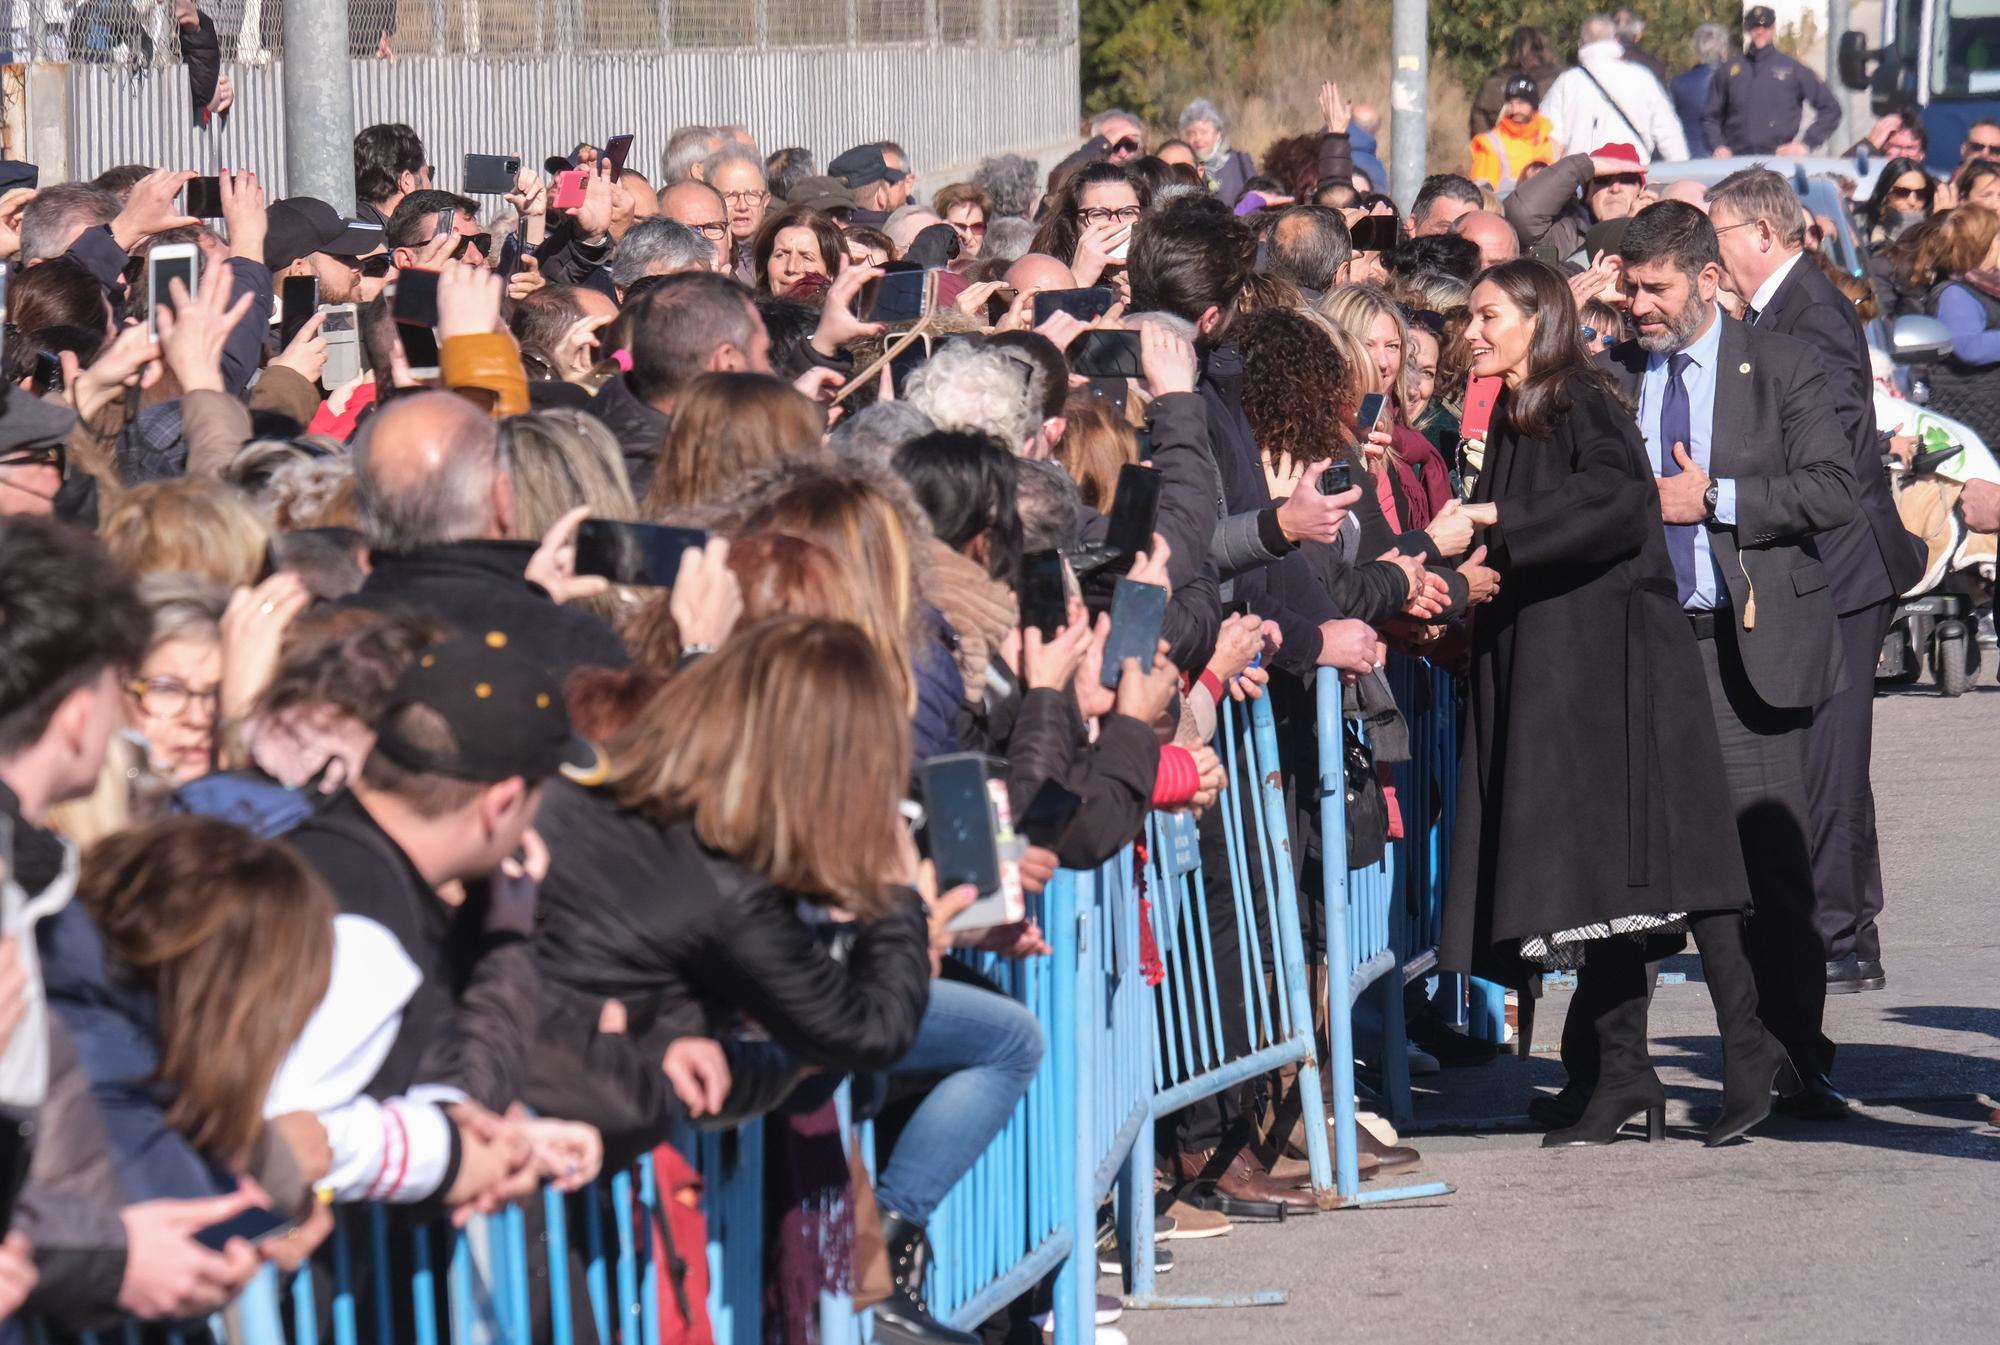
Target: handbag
{"points": [[1367, 812]]}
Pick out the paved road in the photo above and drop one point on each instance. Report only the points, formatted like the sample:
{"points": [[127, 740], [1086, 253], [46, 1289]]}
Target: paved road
{"points": [[1884, 1228]]}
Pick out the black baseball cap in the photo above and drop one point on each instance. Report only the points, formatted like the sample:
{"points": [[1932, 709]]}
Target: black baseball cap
{"points": [[1760, 16], [304, 225], [1525, 89], [864, 164], [504, 710]]}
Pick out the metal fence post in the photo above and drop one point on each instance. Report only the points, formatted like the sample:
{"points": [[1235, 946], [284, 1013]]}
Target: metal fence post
{"points": [[1409, 126], [319, 103]]}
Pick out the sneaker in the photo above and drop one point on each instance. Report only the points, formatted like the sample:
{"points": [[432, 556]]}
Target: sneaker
{"points": [[1191, 1223], [1109, 1310]]}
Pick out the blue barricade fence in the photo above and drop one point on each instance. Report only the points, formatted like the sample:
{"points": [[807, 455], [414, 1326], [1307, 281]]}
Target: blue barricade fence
{"points": [[1121, 1055]]}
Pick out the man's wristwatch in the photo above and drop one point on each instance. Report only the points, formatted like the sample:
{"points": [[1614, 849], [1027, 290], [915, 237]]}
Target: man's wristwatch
{"points": [[1708, 500]]}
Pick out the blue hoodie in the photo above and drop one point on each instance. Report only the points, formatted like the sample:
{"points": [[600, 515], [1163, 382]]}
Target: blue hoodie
{"points": [[1362, 141]]}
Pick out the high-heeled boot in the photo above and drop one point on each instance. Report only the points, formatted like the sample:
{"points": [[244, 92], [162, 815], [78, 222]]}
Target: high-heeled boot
{"points": [[1753, 1061], [904, 1315], [1579, 1058], [1626, 1084]]}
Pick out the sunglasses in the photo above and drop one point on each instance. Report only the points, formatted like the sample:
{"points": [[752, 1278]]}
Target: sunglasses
{"points": [[1126, 146], [976, 229], [377, 266], [1620, 180], [484, 242]]}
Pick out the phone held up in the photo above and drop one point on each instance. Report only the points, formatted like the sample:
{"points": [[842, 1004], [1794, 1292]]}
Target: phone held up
{"points": [[646, 555], [164, 265], [1136, 613], [1338, 478], [969, 833]]}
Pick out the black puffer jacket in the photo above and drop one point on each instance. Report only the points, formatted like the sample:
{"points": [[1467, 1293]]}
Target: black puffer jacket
{"points": [[639, 428]]}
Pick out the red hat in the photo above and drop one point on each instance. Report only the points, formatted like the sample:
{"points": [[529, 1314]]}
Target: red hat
{"points": [[1623, 153]]}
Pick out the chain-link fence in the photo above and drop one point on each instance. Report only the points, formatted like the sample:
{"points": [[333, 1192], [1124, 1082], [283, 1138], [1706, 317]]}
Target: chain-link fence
{"points": [[143, 33]]}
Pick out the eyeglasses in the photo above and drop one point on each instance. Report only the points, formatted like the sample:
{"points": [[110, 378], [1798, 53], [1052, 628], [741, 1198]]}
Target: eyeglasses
{"points": [[976, 229], [746, 197], [164, 698], [711, 229], [1740, 224], [1097, 215]]}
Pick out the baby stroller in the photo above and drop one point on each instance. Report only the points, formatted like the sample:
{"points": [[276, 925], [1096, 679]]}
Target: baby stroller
{"points": [[1939, 620]]}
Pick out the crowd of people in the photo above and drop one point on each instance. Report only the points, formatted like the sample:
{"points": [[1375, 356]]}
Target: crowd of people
{"points": [[367, 842]]}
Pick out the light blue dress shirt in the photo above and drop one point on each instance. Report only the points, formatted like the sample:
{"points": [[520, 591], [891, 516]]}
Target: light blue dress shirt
{"points": [[1699, 378]]}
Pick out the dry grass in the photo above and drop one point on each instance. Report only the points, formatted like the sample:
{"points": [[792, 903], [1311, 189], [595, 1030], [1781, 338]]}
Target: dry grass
{"points": [[1268, 85]]}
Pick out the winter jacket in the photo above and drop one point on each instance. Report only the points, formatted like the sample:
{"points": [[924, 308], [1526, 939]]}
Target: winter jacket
{"points": [[641, 430], [1548, 208], [1501, 155], [481, 586], [940, 693], [1629, 107], [1491, 100]]}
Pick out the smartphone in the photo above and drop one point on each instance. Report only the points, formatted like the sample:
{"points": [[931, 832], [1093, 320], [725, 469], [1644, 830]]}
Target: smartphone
{"points": [[1105, 352], [1337, 479], [204, 197], [1481, 394], [1048, 815], [420, 349], [1370, 414], [253, 1225], [1085, 305], [569, 189], [899, 297], [17, 1145], [164, 264], [640, 554], [1546, 254], [964, 841], [1136, 613], [1374, 233], [490, 174], [298, 300], [48, 373], [343, 345], [1044, 593], [615, 150], [416, 299], [1135, 509]]}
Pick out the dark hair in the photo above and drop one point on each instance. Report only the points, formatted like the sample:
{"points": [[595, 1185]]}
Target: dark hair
{"points": [[57, 293], [1048, 385], [791, 325], [787, 168], [679, 324], [1293, 163], [1556, 362], [1528, 49], [1445, 186], [1368, 201], [1671, 231], [1878, 204], [382, 154], [119, 181], [67, 612], [965, 482], [415, 221], [346, 659], [1453, 254], [1971, 173], [1294, 380], [1190, 258], [1060, 230], [1154, 171], [542, 319], [832, 247]]}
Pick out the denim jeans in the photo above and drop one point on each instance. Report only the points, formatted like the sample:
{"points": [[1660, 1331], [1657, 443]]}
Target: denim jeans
{"points": [[987, 1047]]}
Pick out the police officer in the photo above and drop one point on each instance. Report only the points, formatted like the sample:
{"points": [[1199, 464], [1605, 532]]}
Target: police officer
{"points": [[1756, 103]]}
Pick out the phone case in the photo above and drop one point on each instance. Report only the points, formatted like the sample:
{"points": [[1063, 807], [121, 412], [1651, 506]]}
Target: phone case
{"points": [[569, 189], [1481, 394]]}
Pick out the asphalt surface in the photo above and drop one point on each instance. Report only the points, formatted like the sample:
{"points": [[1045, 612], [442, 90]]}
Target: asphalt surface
{"points": [[1881, 1228]]}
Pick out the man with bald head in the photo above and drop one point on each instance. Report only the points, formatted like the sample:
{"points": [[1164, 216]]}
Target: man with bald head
{"points": [[1039, 271], [1687, 189], [438, 513], [1491, 234], [701, 208]]}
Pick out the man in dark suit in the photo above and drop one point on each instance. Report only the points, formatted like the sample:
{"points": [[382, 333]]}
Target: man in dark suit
{"points": [[1744, 439], [1871, 559]]}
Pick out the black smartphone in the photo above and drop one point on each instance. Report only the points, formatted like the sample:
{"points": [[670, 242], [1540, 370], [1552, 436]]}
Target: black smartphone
{"points": [[416, 302], [48, 373], [17, 1145], [1135, 509], [1044, 595], [253, 1225], [299, 300], [641, 554], [165, 264], [964, 844], [1546, 254], [1104, 352], [420, 349], [1136, 613], [1085, 305], [1374, 233], [899, 297], [615, 150], [204, 197], [1337, 479], [490, 174], [1048, 815], [1370, 414]]}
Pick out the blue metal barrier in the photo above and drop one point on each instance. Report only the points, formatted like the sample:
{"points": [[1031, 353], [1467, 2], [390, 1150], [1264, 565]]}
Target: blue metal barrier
{"points": [[1360, 956]]}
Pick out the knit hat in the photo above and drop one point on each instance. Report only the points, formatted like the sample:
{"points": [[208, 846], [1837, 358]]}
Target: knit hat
{"points": [[1622, 152]]}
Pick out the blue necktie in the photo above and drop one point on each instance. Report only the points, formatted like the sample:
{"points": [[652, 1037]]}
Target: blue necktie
{"points": [[1674, 430]]}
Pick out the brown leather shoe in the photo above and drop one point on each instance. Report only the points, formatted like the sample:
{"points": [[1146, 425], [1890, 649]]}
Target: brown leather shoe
{"points": [[1393, 1159], [1241, 1177]]}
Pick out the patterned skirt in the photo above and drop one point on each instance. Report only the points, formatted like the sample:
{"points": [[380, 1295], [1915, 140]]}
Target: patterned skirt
{"points": [[1564, 950]]}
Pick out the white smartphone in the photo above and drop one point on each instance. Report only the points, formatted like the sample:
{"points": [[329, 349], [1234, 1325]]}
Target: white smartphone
{"points": [[343, 345], [166, 263]]}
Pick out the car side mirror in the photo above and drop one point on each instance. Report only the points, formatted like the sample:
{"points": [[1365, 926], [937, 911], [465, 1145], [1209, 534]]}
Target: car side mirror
{"points": [[1917, 339], [1852, 59]]}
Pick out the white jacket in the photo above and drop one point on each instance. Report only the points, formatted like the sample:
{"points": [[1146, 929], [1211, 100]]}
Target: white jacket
{"points": [[1583, 119]]}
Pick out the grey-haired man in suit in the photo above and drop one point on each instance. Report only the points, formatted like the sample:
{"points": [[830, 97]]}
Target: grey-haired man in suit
{"points": [[1752, 464]]}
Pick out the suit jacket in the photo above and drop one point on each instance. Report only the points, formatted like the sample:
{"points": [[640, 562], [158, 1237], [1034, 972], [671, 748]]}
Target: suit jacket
{"points": [[1871, 558], [1777, 437]]}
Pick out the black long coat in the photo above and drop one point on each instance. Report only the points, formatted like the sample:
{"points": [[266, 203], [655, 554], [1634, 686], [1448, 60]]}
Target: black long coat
{"points": [[1591, 782]]}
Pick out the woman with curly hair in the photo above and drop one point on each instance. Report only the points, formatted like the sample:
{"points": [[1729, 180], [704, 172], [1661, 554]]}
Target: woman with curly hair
{"points": [[1090, 220]]}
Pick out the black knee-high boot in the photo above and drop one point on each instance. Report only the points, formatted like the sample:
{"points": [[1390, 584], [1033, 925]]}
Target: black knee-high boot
{"points": [[1579, 1055], [1753, 1061], [1626, 1084]]}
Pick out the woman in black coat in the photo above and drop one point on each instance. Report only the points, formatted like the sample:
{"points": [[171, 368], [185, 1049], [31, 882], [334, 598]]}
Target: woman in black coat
{"points": [[1593, 819]]}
